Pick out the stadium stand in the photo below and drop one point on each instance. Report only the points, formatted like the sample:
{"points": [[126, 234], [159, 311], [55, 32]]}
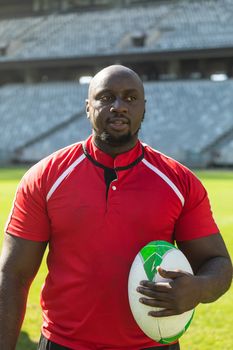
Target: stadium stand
{"points": [[224, 156], [28, 111], [190, 120], [186, 120], [167, 26]]}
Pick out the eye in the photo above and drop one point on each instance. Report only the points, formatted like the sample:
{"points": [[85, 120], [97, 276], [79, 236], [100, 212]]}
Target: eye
{"points": [[106, 98], [130, 98]]}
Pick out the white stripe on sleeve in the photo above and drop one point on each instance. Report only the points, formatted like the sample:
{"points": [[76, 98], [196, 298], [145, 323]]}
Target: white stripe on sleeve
{"points": [[63, 176], [166, 179]]}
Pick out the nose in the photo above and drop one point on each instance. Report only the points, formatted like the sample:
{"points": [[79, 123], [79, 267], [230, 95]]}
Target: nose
{"points": [[119, 106]]}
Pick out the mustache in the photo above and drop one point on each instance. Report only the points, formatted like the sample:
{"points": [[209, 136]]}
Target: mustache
{"points": [[123, 116], [119, 116]]}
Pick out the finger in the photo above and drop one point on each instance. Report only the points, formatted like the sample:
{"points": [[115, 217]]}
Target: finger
{"points": [[157, 286], [162, 313], [155, 303], [156, 294], [170, 274]]}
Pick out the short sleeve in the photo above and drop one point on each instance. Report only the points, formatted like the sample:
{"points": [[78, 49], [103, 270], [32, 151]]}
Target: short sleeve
{"points": [[28, 218], [196, 219]]}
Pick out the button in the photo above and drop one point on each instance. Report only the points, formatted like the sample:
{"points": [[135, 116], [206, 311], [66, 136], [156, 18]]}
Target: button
{"points": [[114, 188]]}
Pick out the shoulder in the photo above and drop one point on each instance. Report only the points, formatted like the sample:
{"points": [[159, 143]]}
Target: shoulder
{"points": [[62, 157], [165, 163], [48, 169], [171, 169]]}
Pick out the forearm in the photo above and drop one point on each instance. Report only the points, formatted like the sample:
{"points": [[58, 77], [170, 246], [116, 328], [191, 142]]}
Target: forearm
{"points": [[13, 296], [215, 277]]}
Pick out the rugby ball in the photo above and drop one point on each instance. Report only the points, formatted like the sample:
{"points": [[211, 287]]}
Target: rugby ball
{"points": [[163, 330]]}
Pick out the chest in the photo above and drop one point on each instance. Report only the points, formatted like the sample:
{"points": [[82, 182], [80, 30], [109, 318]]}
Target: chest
{"points": [[137, 200]]}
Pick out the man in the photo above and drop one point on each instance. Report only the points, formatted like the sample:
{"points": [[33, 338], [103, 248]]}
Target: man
{"points": [[95, 204]]}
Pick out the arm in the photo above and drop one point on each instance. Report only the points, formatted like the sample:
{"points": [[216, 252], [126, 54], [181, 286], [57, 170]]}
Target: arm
{"points": [[19, 263], [212, 266]]}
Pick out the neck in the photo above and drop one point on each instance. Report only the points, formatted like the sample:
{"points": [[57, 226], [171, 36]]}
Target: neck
{"points": [[114, 150]]}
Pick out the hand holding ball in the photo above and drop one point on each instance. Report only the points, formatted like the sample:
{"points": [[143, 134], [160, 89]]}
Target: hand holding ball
{"points": [[144, 268]]}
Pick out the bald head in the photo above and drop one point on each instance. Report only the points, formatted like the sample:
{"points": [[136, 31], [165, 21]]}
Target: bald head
{"points": [[116, 72], [115, 108]]}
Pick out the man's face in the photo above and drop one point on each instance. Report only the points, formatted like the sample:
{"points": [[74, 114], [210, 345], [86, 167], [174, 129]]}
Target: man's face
{"points": [[116, 106]]}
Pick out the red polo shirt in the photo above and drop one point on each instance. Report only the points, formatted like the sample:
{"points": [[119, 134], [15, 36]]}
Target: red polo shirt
{"points": [[94, 234]]}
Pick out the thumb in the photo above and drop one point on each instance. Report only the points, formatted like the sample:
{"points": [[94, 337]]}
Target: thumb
{"points": [[168, 274]]}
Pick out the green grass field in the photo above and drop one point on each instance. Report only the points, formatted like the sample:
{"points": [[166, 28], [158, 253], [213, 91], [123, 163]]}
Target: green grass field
{"points": [[212, 324]]}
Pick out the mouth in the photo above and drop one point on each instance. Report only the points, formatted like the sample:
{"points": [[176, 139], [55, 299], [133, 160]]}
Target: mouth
{"points": [[118, 124]]}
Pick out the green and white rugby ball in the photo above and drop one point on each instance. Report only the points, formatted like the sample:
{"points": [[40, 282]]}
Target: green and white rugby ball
{"points": [[163, 330]]}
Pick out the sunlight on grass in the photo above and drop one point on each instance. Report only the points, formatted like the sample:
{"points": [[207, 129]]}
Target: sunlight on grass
{"points": [[212, 324]]}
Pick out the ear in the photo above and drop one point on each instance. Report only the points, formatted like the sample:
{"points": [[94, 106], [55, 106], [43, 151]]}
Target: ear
{"points": [[143, 116], [87, 108]]}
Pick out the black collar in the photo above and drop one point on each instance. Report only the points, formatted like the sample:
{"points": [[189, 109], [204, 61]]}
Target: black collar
{"points": [[95, 162]]}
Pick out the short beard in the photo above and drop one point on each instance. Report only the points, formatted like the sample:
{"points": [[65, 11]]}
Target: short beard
{"points": [[113, 140], [117, 141]]}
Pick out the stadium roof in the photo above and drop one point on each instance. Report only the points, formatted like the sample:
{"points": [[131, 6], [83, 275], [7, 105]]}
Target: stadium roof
{"points": [[162, 27], [182, 118]]}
